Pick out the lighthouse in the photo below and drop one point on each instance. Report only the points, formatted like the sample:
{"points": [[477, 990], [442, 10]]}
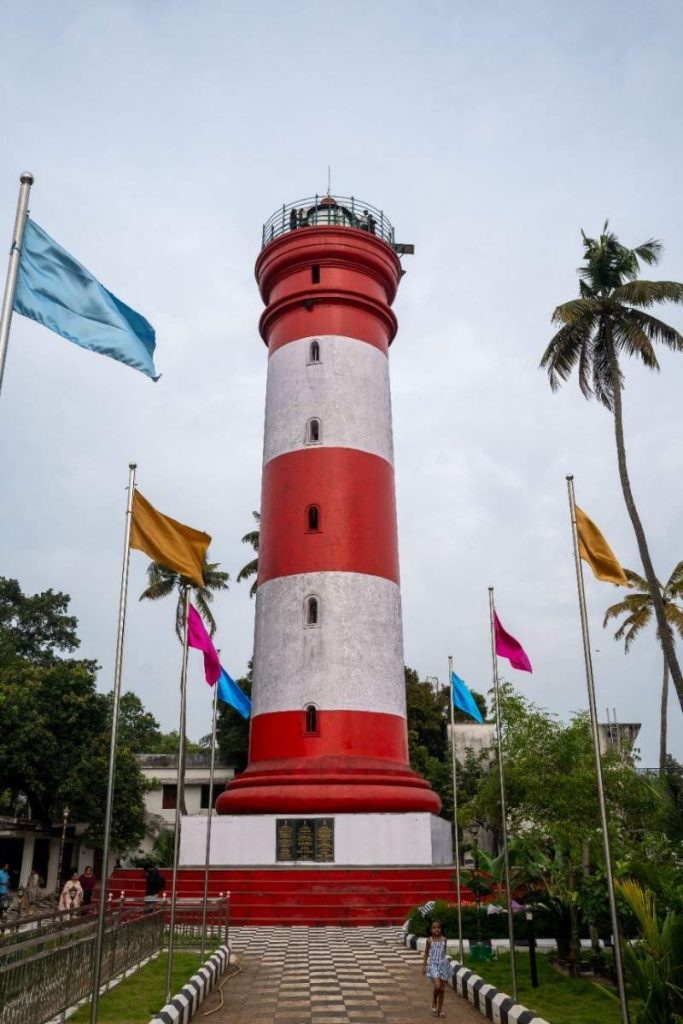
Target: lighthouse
{"points": [[328, 729]]}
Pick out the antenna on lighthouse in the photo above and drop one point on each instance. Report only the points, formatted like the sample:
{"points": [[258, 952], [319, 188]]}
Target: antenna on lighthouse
{"points": [[329, 179]]}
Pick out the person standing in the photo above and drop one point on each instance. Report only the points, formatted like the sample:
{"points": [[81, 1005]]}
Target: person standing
{"points": [[4, 889], [87, 881], [155, 884], [33, 886], [72, 893], [436, 966]]}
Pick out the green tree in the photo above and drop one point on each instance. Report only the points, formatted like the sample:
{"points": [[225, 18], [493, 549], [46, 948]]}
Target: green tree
{"points": [[36, 626], [138, 728], [610, 320], [428, 714], [552, 805], [54, 749], [251, 568], [162, 582], [637, 609], [232, 731]]}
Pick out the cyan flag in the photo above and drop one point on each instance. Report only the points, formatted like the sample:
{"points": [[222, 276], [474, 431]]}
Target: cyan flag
{"points": [[230, 693], [463, 699], [54, 289]]}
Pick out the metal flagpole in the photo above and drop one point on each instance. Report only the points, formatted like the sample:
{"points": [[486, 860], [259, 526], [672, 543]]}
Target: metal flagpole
{"points": [[506, 859], [101, 910], [455, 806], [180, 778], [26, 180], [590, 683], [209, 816]]}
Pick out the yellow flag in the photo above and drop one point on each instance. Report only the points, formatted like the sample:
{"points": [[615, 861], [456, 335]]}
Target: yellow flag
{"points": [[595, 550], [165, 540]]}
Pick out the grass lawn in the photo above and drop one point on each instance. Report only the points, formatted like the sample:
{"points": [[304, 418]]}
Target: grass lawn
{"points": [[558, 999], [139, 997]]}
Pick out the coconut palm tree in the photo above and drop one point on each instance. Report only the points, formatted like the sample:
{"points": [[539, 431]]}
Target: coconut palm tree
{"points": [[163, 582], [638, 610], [251, 568], [607, 321]]}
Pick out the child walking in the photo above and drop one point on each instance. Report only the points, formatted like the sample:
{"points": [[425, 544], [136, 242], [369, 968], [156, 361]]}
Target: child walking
{"points": [[436, 966]]}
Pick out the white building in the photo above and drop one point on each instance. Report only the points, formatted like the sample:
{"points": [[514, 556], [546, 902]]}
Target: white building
{"points": [[160, 802]]}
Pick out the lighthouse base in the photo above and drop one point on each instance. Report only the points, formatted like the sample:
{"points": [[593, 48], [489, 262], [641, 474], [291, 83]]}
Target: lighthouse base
{"points": [[350, 840]]}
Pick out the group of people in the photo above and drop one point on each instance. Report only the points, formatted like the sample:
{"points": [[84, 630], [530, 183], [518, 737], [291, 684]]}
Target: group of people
{"points": [[299, 219]]}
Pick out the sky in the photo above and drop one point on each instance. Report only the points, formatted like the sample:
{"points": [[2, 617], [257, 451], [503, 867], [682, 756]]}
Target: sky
{"points": [[162, 135]]}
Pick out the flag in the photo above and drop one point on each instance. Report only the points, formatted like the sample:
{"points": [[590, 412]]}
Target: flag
{"points": [[198, 638], [508, 647], [463, 699], [595, 550], [230, 693], [54, 289], [167, 541]]}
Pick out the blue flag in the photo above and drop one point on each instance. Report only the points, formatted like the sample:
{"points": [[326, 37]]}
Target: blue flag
{"points": [[230, 693], [54, 289], [463, 699]]}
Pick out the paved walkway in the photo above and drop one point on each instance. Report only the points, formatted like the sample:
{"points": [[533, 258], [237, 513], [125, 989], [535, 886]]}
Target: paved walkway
{"points": [[305, 975]]}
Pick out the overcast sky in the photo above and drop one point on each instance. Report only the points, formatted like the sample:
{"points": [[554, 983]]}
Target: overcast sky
{"points": [[162, 135]]}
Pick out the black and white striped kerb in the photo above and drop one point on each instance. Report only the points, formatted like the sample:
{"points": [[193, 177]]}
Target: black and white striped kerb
{"points": [[495, 1005], [191, 996]]}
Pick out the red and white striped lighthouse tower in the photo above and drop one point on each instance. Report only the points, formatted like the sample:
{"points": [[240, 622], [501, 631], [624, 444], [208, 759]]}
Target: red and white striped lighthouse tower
{"points": [[328, 729]]}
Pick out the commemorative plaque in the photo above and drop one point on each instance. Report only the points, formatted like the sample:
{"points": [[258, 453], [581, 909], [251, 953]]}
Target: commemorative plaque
{"points": [[304, 839]]}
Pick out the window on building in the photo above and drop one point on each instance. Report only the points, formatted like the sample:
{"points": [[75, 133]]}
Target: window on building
{"points": [[169, 796], [312, 616], [315, 273], [314, 352], [311, 718], [313, 518], [204, 798], [313, 431]]}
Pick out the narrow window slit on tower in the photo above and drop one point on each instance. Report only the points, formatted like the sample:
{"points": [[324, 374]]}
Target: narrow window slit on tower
{"points": [[311, 718], [312, 611], [314, 352], [315, 273], [314, 433], [313, 516]]}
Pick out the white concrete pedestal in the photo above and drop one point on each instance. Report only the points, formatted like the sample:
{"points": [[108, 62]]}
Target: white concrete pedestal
{"points": [[241, 840]]}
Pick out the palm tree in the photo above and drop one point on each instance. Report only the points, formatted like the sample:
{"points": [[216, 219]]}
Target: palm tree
{"points": [[162, 582], [251, 568], [609, 320], [637, 609]]}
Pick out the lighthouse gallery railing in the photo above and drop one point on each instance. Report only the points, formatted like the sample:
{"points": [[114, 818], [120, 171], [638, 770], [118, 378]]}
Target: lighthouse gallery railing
{"points": [[328, 211]]}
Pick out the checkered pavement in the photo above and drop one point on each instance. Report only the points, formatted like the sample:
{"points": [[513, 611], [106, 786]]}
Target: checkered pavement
{"points": [[330, 975]]}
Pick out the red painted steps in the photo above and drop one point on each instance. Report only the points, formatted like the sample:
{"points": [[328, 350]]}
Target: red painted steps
{"points": [[311, 895]]}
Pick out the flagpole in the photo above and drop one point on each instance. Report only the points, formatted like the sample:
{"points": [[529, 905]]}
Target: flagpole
{"points": [[209, 817], [506, 859], [455, 806], [116, 700], [26, 180], [590, 683], [180, 779]]}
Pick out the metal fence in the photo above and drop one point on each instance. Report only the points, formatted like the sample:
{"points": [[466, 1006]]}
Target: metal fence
{"points": [[328, 211], [39, 978], [49, 964]]}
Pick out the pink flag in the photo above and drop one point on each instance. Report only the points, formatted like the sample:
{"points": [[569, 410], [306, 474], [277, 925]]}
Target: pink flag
{"points": [[198, 637], [508, 647]]}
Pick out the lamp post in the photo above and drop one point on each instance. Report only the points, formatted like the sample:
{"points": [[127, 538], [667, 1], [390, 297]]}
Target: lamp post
{"points": [[58, 887], [531, 935]]}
